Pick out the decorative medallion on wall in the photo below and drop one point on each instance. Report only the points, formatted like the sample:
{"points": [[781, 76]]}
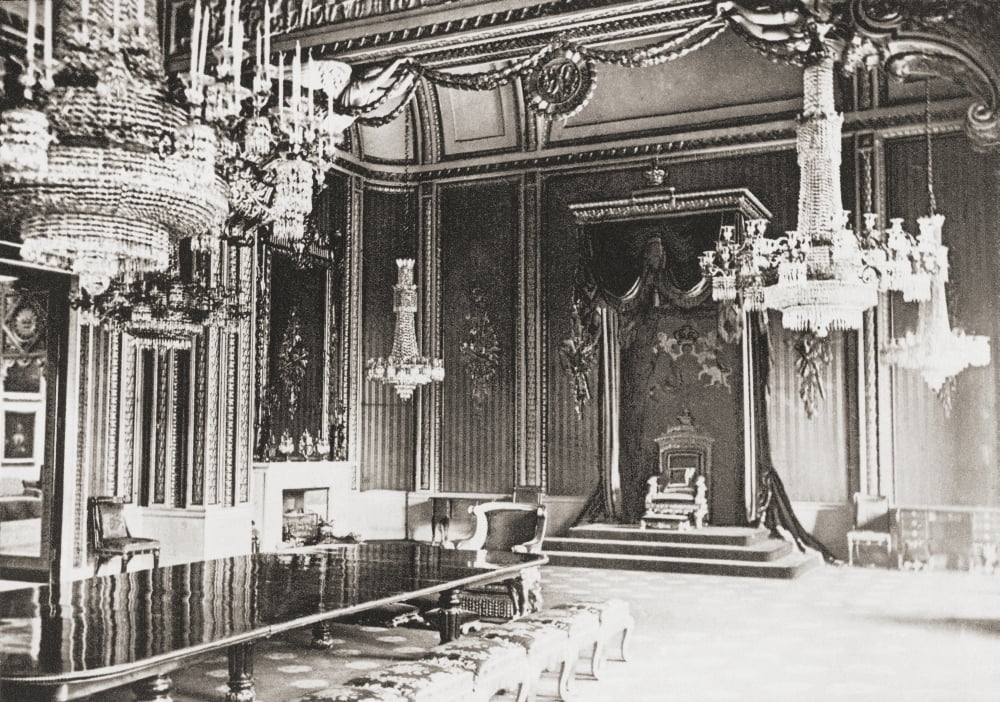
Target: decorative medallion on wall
{"points": [[702, 348], [481, 348], [562, 85], [812, 355]]}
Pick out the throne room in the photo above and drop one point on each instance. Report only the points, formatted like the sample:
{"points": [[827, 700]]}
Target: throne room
{"points": [[449, 350]]}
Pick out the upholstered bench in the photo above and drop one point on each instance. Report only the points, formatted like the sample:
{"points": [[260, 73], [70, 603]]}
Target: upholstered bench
{"points": [[615, 618], [582, 626], [419, 681], [547, 647], [495, 664]]}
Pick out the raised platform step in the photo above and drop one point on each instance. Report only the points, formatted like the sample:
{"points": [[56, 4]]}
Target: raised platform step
{"points": [[787, 567], [766, 550], [721, 536]]}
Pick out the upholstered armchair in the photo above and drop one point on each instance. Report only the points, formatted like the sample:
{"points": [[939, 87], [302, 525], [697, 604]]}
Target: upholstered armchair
{"points": [[872, 530], [506, 526], [111, 535]]}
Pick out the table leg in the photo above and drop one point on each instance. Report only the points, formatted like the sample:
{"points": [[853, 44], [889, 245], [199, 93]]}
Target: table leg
{"points": [[241, 674], [154, 689], [322, 636], [450, 616]]}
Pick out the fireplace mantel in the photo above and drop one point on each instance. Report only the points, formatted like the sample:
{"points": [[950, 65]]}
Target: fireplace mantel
{"points": [[271, 479]]}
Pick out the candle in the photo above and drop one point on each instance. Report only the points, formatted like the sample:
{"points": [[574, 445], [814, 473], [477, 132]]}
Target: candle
{"points": [[267, 37], [238, 52], [297, 73], [29, 46], [116, 8], [84, 8], [228, 15], [237, 38], [195, 35], [257, 54], [47, 46], [281, 83], [140, 12], [203, 45]]}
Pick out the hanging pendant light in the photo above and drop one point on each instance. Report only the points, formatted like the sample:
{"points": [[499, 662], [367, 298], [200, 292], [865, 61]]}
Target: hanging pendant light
{"points": [[405, 368], [935, 350]]}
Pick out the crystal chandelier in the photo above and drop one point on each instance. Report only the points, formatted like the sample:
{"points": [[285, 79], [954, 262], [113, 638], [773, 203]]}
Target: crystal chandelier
{"points": [[99, 171], [405, 368], [167, 309], [936, 351], [822, 276], [278, 150]]}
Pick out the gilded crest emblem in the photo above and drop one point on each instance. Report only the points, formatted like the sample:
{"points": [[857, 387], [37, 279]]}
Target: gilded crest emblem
{"points": [[561, 85]]}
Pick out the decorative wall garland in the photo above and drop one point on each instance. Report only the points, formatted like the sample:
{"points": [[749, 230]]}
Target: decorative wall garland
{"points": [[559, 78]]}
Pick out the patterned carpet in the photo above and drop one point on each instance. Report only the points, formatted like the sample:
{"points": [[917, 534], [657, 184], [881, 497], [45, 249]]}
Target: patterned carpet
{"points": [[837, 634]]}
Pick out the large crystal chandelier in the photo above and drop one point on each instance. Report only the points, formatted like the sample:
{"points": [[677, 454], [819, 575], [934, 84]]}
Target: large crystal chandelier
{"points": [[405, 368], [822, 276], [99, 169], [936, 351], [280, 147]]}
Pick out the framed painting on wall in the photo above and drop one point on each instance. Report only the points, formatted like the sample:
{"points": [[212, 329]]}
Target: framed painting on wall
{"points": [[21, 440]]}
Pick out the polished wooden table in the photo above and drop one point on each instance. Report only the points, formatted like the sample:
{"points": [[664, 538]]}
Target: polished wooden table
{"points": [[61, 642]]}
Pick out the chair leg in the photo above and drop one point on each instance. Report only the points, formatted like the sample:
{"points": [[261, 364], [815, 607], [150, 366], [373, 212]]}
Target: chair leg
{"points": [[126, 557], [625, 632], [156, 559], [597, 660], [565, 679]]}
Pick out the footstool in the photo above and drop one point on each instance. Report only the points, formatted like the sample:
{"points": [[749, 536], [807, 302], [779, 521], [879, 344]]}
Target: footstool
{"points": [[615, 617], [548, 647], [582, 626], [420, 681], [495, 664]]}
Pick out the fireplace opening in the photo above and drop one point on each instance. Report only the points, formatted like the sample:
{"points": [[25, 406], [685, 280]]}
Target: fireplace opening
{"points": [[304, 510]]}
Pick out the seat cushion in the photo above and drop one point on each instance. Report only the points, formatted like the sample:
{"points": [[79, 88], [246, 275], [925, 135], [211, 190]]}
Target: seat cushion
{"points": [[419, 681], [610, 612], [354, 694], [129, 545]]}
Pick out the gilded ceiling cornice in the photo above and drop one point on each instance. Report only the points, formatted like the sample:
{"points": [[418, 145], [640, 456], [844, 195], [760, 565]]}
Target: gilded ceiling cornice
{"points": [[499, 35], [889, 123], [957, 39]]}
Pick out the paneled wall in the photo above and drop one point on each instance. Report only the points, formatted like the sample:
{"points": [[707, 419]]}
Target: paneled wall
{"points": [[479, 313], [388, 428], [941, 458]]}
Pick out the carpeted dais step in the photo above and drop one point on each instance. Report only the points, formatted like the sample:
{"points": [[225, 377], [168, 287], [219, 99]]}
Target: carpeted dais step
{"points": [[789, 566], [723, 536], [767, 550]]}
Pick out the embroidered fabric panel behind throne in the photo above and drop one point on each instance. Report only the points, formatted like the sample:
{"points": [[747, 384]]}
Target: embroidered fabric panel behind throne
{"points": [[680, 352]]}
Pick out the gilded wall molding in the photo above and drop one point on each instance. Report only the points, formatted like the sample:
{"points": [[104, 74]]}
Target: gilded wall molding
{"points": [[530, 370], [354, 368]]}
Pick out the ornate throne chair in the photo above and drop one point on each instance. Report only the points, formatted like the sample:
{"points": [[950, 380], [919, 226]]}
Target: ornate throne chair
{"points": [[506, 526], [111, 535], [677, 496]]}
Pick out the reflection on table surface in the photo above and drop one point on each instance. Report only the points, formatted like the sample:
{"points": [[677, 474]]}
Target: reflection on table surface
{"points": [[129, 617]]}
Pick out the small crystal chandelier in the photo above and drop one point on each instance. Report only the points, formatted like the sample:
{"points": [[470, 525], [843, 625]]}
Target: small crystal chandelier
{"points": [[823, 276], [936, 351], [405, 368]]}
